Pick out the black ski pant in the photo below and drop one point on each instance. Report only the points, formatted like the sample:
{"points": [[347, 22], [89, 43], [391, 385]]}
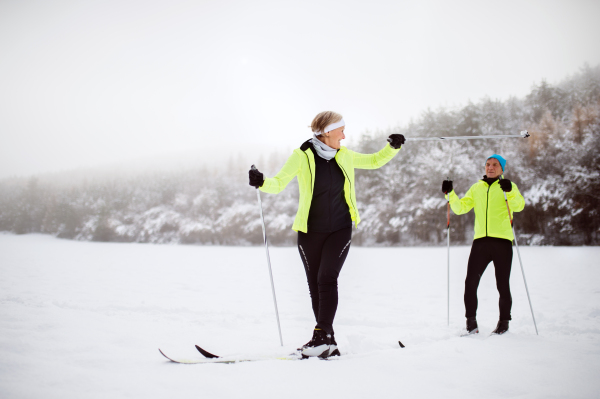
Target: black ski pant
{"points": [[323, 255], [484, 251]]}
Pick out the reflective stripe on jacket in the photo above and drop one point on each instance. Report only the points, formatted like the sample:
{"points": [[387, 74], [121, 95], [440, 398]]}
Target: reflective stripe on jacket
{"points": [[491, 215], [302, 164]]}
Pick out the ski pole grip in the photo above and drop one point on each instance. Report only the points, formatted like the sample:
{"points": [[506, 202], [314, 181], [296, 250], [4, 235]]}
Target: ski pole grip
{"points": [[254, 168]]}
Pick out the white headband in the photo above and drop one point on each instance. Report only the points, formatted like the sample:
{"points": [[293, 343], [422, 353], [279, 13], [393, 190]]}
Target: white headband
{"points": [[331, 127]]}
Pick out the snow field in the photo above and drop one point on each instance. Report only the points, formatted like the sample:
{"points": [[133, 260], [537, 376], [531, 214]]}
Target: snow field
{"points": [[85, 320]]}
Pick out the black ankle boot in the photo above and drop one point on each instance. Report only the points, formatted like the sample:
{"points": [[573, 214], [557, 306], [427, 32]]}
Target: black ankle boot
{"points": [[472, 325], [501, 328]]}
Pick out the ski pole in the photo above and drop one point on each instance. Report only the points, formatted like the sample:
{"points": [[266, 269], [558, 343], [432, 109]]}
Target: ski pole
{"points": [[264, 229], [524, 134], [448, 272], [520, 261]]}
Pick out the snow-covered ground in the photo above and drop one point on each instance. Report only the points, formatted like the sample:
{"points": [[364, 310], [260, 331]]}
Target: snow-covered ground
{"points": [[85, 320]]}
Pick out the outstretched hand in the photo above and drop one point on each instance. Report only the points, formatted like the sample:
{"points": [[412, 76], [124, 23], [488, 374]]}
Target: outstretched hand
{"points": [[256, 178], [447, 186], [396, 140]]}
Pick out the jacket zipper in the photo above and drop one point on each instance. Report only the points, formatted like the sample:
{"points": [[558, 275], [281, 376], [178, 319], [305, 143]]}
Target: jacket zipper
{"points": [[310, 171], [329, 194], [487, 205], [350, 183]]}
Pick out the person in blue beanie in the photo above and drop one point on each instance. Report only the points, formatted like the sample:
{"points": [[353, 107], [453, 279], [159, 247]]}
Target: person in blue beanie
{"points": [[493, 236]]}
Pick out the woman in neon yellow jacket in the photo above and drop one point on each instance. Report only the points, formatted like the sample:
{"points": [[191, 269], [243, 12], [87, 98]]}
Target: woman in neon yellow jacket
{"points": [[327, 209], [493, 236]]}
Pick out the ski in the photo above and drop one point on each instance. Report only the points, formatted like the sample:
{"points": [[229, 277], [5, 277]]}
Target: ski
{"points": [[224, 360], [193, 361], [482, 336], [291, 356]]}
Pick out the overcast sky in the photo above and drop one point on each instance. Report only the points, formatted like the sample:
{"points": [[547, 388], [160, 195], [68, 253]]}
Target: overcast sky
{"points": [[92, 83]]}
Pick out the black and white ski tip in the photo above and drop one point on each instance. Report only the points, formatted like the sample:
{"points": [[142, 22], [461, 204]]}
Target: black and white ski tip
{"points": [[189, 361]]}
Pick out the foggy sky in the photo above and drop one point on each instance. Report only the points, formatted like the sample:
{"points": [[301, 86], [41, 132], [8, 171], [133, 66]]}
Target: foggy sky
{"points": [[92, 83]]}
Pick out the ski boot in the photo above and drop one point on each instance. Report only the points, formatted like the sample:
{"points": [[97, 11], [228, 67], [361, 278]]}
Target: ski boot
{"points": [[471, 326], [501, 328], [318, 346], [333, 349]]}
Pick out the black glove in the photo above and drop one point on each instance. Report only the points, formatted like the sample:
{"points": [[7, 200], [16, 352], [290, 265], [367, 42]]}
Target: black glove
{"points": [[256, 178], [505, 185], [396, 140], [447, 186]]}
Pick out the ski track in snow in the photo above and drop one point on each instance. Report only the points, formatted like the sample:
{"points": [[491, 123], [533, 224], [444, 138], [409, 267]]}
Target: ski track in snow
{"points": [[85, 320]]}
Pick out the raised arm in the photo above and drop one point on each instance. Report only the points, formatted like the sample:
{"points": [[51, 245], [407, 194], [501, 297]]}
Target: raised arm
{"points": [[461, 205], [516, 202], [374, 161], [276, 184]]}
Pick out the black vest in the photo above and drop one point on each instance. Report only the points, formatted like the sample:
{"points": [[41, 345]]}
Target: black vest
{"points": [[329, 210]]}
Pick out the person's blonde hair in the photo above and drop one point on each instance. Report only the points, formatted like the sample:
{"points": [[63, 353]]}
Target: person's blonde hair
{"points": [[323, 120]]}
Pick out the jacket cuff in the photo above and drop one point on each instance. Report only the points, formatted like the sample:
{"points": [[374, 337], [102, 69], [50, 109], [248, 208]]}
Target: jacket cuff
{"points": [[393, 149], [267, 186], [451, 196]]}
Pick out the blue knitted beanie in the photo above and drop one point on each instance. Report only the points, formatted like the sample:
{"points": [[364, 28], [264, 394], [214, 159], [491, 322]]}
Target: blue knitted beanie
{"points": [[500, 159]]}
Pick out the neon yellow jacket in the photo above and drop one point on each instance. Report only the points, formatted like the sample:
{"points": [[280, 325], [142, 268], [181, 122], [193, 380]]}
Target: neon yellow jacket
{"points": [[302, 164], [491, 215]]}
